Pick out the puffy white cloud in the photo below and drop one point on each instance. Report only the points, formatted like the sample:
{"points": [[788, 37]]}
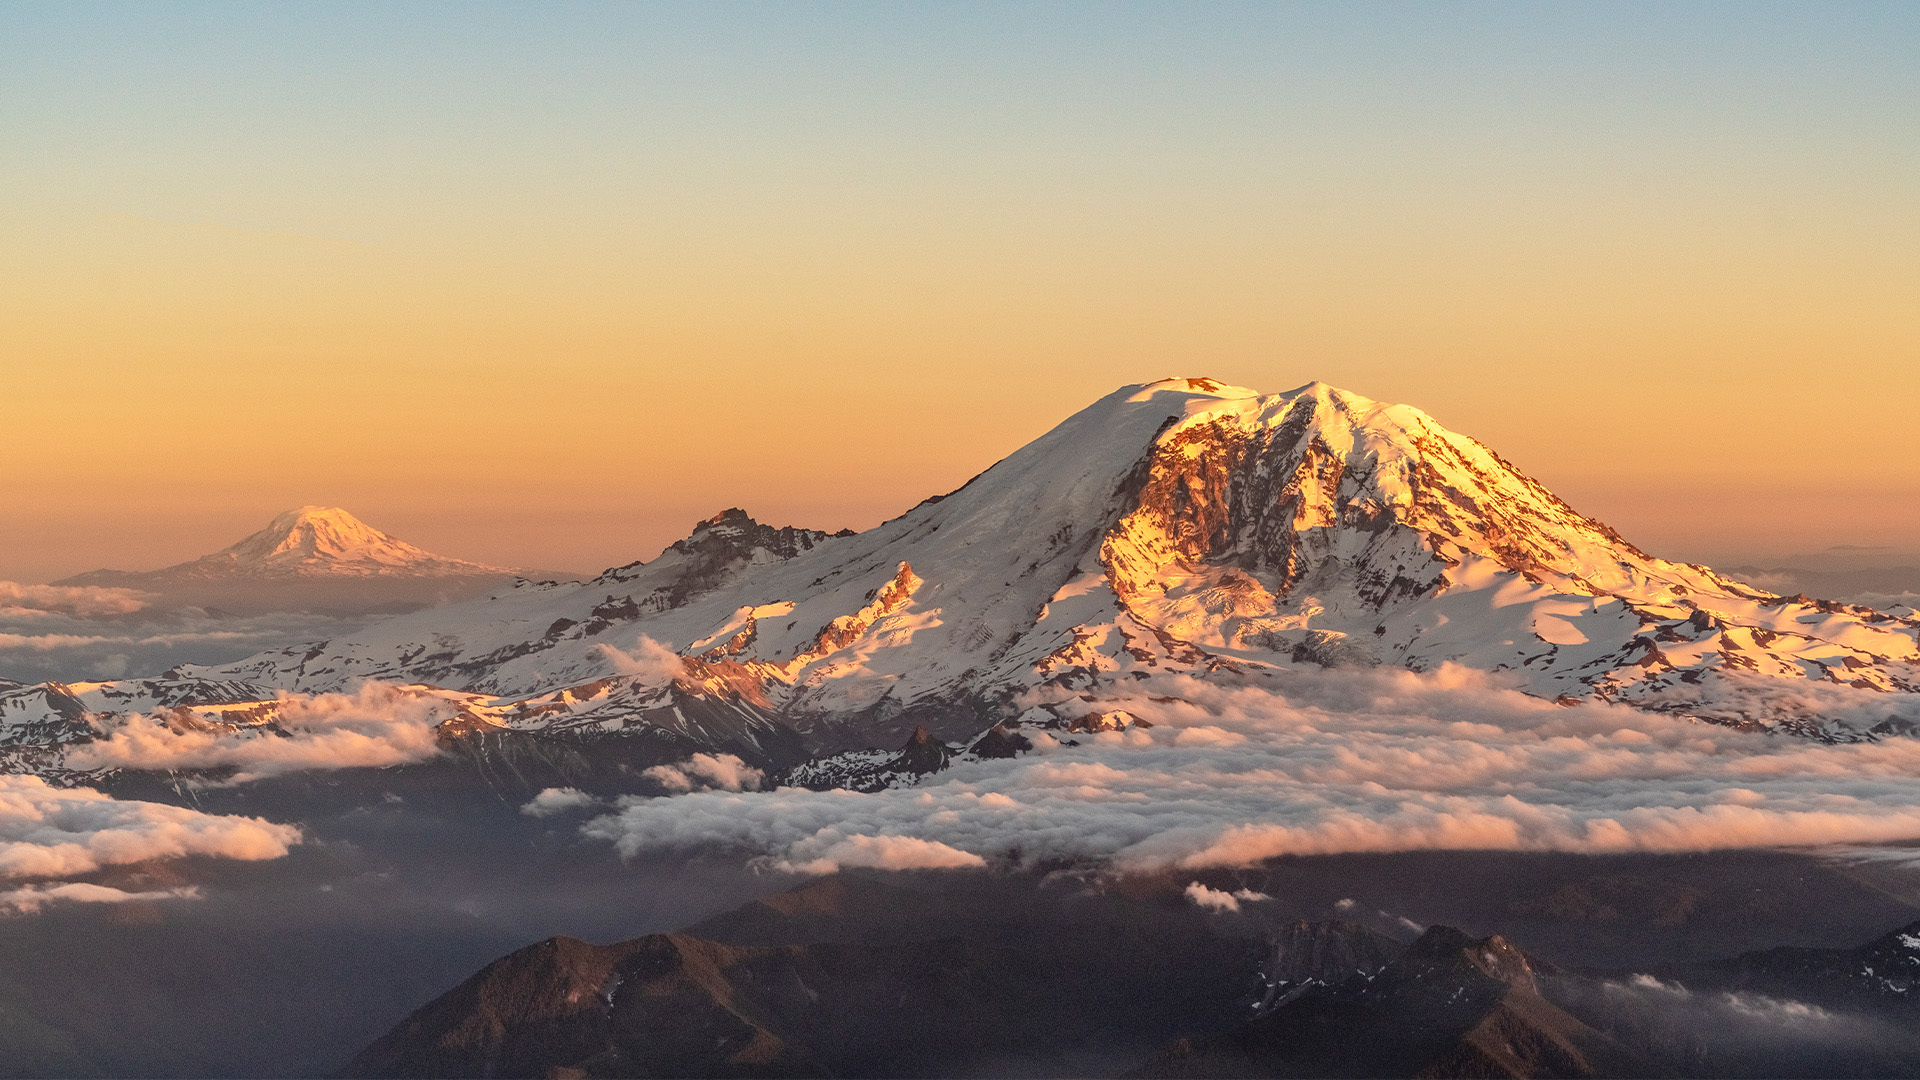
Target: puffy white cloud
{"points": [[882, 853], [1215, 899], [27, 601], [1337, 761], [650, 661], [50, 832], [376, 725], [558, 800], [723, 771], [31, 898]]}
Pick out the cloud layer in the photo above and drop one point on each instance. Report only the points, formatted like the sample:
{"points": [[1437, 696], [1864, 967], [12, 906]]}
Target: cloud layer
{"points": [[1307, 762], [376, 725], [28, 601], [81, 633], [49, 832], [31, 898]]}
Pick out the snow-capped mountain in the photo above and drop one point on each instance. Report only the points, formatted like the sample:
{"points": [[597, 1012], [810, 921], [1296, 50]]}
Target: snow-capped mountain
{"points": [[310, 542], [313, 558], [1178, 526]]}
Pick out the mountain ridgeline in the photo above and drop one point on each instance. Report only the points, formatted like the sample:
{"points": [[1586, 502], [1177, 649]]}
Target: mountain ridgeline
{"points": [[1178, 527], [991, 975]]}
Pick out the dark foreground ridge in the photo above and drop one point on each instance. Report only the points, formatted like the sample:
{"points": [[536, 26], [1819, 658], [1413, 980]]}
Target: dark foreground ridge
{"points": [[845, 977], [983, 974], [1450, 1005]]}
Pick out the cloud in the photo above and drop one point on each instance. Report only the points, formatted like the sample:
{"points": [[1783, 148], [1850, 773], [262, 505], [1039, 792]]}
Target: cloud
{"points": [[1649, 982], [49, 832], [1885, 601], [50, 642], [37, 645], [1212, 898], [29, 899], [558, 800], [885, 853], [28, 601], [1739, 1033], [723, 771], [650, 661], [374, 726], [1777, 1010], [1335, 761], [1898, 856]]}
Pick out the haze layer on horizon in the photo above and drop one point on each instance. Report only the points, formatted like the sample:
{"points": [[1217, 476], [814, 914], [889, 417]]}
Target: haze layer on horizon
{"points": [[540, 285]]}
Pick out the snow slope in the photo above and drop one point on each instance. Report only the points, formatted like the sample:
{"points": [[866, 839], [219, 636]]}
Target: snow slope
{"points": [[1182, 525]]}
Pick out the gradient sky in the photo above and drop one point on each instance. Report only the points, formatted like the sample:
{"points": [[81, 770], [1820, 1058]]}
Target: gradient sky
{"points": [[543, 284]]}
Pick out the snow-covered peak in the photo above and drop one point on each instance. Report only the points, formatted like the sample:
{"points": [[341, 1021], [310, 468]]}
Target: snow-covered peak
{"points": [[1211, 388], [326, 540], [1179, 525], [315, 532], [1326, 392]]}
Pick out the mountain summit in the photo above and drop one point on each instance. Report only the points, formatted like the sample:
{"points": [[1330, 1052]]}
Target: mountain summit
{"points": [[325, 541], [1181, 526]]}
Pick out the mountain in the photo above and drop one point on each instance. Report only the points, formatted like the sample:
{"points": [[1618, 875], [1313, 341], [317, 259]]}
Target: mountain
{"points": [[1182, 526], [1881, 577], [940, 975], [310, 542], [315, 557], [1450, 1005], [969, 973], [1882, 975], [1307, 956]]}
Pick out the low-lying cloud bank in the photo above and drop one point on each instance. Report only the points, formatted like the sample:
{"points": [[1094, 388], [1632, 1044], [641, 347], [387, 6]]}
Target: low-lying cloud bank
{"points": [[29, 899], [1312, 762], [76, 633], [30, 601], [374, 726], [50, 832]]}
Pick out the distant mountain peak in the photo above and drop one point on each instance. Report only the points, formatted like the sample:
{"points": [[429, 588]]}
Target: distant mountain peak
{"points": [[318, 546], [315, 532], [325, 541]]}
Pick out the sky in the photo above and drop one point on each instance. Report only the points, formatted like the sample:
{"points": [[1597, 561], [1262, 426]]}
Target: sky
{"points": [[543, 284]]}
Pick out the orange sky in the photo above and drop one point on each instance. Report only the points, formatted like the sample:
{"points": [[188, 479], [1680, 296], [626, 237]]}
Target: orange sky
{"points": [[553, 307]]}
